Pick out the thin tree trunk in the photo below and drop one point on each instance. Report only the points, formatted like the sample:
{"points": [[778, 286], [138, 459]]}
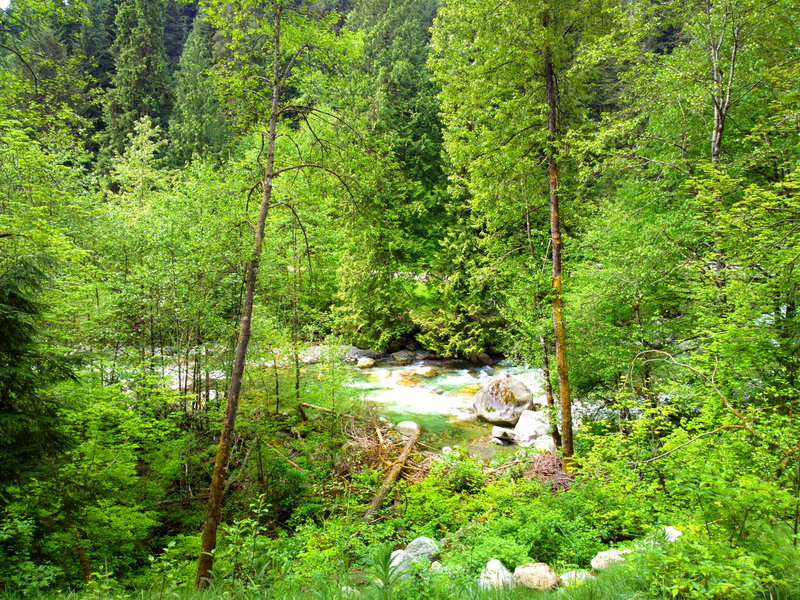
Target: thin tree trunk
{"points": [[296, 325], [214, 509], [548, 393], [555, 234]]}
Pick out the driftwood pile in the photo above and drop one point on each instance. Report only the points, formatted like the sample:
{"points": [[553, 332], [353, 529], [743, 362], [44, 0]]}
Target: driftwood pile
{"points": [[374, 443]]}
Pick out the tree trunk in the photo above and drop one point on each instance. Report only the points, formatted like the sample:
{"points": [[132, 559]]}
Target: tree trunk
{"points": [[555, 234], [83, 558], [548, 393], [214, 509]]}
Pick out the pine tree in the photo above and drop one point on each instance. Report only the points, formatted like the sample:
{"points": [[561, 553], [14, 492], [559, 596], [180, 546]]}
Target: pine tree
{"points": [[198, 124], [29, 417], [97, 37], [141, 82]]}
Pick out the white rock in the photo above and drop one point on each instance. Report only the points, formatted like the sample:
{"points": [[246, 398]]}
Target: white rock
{"points": [[536, 576], [422, 548], [503, 435], [407, 428], [348, 592], [543, 442], [572, 577], [533, 431], [671, 534], [608, 557], [531, 424], [495, 575], [399, 561], [365, 362], [447, 450], [425, 371]]}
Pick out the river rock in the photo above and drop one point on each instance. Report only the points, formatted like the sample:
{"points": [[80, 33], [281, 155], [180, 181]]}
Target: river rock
{"points": [[407, 428], [572, 577], [403, 357], [536, 576], [313, 354], [502, 436], [365, 362], [533, 431], [495, 575], [425, 372], [502, 400], [605, 559], [407, 380], [481, 359], [352, 354]]}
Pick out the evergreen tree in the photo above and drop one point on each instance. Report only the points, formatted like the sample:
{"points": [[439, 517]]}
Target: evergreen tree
{"points": [[141, 81], [97, 38], [396, 104], [198, 124], [29, 416], [178, 20]]}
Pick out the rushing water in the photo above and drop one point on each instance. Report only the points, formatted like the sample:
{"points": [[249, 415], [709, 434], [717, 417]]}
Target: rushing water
{"points": [[441, 403]]}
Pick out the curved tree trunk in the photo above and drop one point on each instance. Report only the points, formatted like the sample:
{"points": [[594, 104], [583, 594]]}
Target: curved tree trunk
{"points": [[214, 508]]}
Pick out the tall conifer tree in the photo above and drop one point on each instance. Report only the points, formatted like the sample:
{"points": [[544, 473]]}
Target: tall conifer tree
{"points": [[141, 81], [198, 124]]}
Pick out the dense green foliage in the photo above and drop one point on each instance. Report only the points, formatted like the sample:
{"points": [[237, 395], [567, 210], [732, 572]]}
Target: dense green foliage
{"points": [[409, 209]]}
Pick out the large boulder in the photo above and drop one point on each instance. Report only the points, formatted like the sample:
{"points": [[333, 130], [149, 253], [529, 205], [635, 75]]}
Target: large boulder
{"points": [[365, 362], [502, 400], [495, 575], [533, 431], [536, 576]]}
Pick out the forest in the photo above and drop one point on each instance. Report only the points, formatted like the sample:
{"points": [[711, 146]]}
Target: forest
{"points": [[210, 209]]}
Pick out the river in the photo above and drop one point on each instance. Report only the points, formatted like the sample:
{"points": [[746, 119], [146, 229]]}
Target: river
{"points": [[441, 402]]}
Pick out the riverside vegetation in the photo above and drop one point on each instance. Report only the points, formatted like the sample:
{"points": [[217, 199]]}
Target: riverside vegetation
{"points": [[194, 194]]}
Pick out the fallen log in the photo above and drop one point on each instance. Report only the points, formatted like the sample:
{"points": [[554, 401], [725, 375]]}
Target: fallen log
{"points": [[314, 406], [392, 475]]}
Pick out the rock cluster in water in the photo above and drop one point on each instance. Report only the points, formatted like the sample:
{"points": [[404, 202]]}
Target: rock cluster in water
{"points": [[508, 404]]}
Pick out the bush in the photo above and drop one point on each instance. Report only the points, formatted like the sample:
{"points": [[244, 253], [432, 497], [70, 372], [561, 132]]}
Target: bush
{"points": [[19, 574]]}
